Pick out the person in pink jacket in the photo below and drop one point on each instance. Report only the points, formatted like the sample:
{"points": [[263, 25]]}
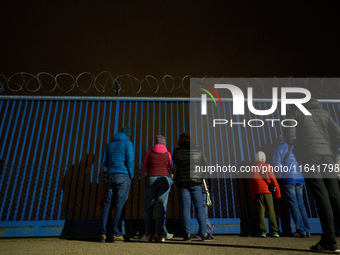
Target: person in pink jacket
{"points": [[157, 164]]}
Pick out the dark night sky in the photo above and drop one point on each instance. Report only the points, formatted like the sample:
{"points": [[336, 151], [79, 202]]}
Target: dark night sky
{"points": [[215, 38]]}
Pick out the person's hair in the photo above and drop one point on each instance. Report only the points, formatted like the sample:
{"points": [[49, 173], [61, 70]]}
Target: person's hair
{"points": [[183, 137]]}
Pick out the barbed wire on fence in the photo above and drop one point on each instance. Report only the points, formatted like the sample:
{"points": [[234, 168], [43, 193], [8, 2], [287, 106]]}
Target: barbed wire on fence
{"points": [[104, 82]]}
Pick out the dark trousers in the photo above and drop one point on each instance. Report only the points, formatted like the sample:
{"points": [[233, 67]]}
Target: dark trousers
{"points": [[326, 194], [263, 202]]}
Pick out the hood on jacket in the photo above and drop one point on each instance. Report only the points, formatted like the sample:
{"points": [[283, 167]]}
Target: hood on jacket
{"points": [[159, 149], [312, 104], [260, 156], [120, 136]]}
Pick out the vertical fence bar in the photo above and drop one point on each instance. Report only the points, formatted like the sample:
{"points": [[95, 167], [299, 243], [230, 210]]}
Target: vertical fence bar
{"points": [[7, 131], [153, 122], [140, 155], [74, 163], [26, 162], [67, 161], [216, 158], [14, 156], [62, 149], [124, 114], [80, 162], [172, 163], [235, 162], [224, 163], [20, 160], [5, 159], [92, 166], [41, 157], [210, 105], [60, 159], [91, 163], [183, 116], [47, 159], [100, 150], [33, 161], [159, 116], [147, 127]]}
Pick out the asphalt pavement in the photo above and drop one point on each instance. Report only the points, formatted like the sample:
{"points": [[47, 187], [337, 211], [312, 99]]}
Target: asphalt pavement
{"points": [[222, 244]]}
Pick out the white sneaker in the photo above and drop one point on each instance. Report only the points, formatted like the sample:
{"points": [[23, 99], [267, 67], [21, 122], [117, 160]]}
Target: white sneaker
{"points": [[167, 235], [145, 238]]}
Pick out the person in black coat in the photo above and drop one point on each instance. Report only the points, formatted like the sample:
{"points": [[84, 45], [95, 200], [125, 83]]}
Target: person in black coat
{"points": [[186, 156], [313, 138]]}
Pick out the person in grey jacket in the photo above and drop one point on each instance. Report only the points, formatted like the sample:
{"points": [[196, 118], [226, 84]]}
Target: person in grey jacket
{"points": [[313, 138], [119, 159]]}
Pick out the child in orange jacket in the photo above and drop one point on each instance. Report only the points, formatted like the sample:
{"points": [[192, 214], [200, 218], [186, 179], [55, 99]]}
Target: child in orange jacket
{"points": [[263, 174]]}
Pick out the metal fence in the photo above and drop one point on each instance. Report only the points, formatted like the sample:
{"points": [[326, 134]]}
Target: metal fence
{"points": [[51, 150]]}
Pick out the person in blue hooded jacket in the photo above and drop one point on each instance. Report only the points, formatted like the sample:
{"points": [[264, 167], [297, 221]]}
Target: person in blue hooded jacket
{"points": [[119, 159], [289, 172]]}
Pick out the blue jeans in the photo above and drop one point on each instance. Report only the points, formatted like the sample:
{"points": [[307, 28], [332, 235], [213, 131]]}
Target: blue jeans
{"points": [[209, 225], [157, 188], [294, 193], [195, 193], [117, 193]]}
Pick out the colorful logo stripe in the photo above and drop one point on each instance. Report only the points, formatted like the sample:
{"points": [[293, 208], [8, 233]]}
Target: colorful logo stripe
{"points": [[212, 89]]}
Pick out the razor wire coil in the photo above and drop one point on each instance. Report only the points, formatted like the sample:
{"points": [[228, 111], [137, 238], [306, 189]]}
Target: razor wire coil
{"points": [[104, 82]]}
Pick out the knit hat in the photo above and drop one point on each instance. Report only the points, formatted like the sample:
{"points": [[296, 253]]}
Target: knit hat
{"points": [[160, 139], [126, 130], [260, 156]]}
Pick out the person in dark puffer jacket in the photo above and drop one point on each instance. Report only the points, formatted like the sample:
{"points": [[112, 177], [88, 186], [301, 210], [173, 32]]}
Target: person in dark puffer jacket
{"points": [[189, 183], [313, 138], [289, 172], [157, 164], [119, 160]]}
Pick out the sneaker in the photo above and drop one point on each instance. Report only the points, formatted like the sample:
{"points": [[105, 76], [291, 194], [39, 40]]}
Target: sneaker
{"points": [[297, 234], [167, 236], [159, 239], [187, 237], [118, 238], [212, 231], [275, 234], [263, 234], [146, 238], [207, 238], [321, 247], [102, 238]]}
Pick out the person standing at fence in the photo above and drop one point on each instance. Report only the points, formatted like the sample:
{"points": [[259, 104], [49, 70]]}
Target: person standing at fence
{"points": [[313, 138], [263, 178], [157, 164], [119, 160], [189, 183], [289, 172], [208, 187]]}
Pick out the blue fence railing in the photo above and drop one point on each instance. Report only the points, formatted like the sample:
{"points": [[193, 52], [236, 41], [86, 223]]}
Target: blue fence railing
{"points": [[51, 147]]}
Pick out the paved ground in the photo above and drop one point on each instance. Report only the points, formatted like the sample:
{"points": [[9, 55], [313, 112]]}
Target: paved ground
{"points": [[223, 244]]}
